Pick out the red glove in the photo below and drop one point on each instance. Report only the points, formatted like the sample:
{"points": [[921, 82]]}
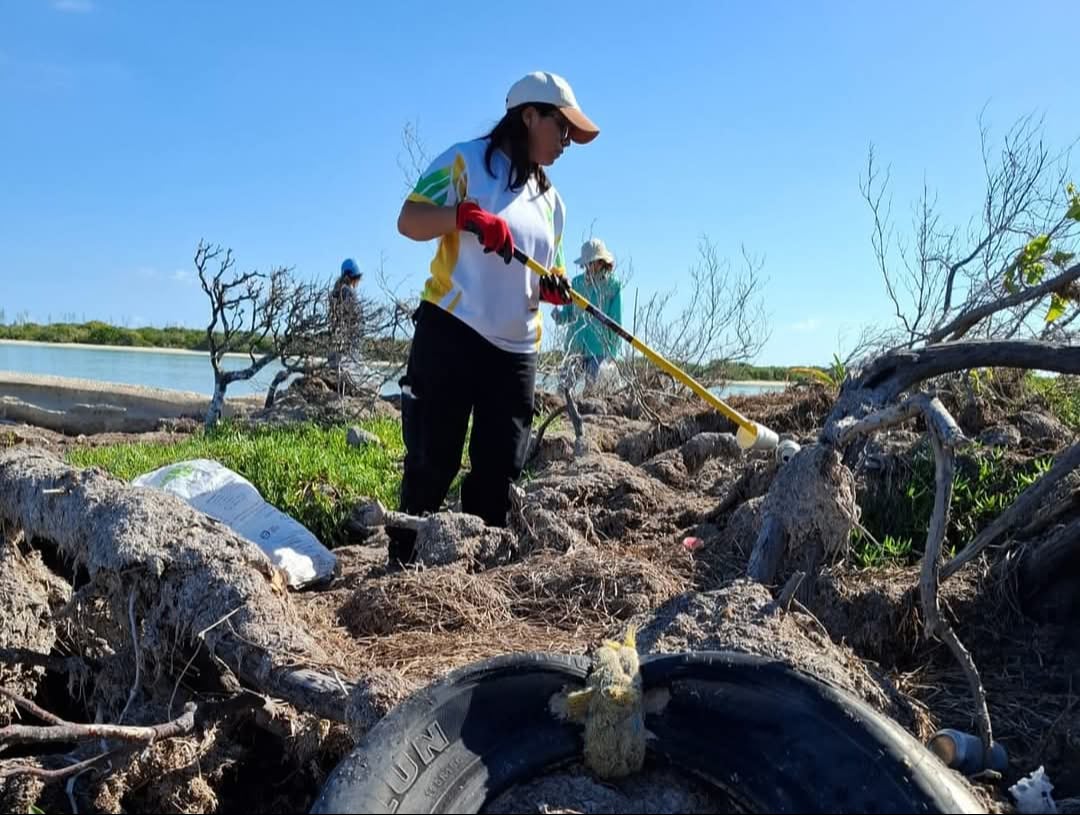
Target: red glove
{"points": [[555, 289], [493, 231]]}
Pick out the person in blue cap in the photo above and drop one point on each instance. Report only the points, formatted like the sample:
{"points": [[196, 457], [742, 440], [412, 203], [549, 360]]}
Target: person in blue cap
{"points": [[344, 312], [348, 280], [343, 296]]}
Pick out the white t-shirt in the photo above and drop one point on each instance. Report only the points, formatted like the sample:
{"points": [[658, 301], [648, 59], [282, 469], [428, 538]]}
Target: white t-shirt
{"points": [[499, 301]]}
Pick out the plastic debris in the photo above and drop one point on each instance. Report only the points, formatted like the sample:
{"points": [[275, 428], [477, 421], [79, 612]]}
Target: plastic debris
{"points": [[1032, 793]]}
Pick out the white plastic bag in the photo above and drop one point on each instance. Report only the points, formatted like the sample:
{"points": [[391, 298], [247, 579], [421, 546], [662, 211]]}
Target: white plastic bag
{"points": [[1032, 794], [230, 498]]}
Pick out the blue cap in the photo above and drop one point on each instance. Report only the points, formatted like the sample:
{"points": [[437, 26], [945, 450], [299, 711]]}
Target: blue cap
{"points": [[349, 267]]}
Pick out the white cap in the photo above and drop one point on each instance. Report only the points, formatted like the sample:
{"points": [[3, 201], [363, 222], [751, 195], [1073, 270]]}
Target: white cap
{"points": [[551, 89], [594, 249]]}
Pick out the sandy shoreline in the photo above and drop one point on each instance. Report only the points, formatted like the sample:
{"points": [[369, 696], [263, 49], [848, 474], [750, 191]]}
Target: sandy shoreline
{"points": [[104, 387], [91, 347], [756, 383]]}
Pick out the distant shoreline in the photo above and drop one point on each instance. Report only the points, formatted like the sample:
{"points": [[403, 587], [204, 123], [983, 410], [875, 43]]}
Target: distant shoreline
{"points": [[145, 349], [759, 383]]}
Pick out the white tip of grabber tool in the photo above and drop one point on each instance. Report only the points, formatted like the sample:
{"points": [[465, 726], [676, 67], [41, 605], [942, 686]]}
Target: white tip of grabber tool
{"points": [[761, 439]]}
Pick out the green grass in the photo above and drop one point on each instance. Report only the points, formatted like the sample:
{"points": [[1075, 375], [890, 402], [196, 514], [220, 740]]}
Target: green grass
{"points": [[305, 471], [888, 550], [1062, 397], [985, 484]]}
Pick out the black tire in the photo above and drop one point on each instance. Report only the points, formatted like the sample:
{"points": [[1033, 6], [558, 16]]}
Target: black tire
{"points": [[766, 736]]}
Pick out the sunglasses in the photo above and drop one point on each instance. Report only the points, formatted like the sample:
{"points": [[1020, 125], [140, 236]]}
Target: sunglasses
{"points": [[561, 123]]}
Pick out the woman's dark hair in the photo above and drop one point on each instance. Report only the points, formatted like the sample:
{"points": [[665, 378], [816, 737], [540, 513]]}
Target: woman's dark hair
{"points": [[512, 132]]}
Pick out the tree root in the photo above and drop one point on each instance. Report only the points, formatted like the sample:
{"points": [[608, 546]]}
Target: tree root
{"points": [[194, 719], [188, 572], [58, 730], [534, 449]]}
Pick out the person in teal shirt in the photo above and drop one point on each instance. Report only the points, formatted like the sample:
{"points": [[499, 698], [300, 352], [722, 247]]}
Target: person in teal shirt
{"points": [[589, 343]]}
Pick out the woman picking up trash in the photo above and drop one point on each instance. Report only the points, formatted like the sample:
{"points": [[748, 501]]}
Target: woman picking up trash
{"points": [[478, 327]]}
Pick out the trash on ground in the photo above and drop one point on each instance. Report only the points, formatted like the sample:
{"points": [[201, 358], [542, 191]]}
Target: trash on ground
{"points": [[228, 497], [1032, 794]]}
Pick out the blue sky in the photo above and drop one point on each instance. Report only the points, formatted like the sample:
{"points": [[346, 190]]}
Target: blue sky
{"points": [[132, 129]]}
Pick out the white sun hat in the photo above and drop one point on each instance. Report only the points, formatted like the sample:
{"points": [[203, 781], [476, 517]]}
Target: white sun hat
{"points": [[594, 249]]}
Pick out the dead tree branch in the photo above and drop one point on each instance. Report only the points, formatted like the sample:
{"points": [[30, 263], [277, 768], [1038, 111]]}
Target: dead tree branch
{"points": [[1048, 575], [415, 160], [957, 328], [575, 420], [946, 282], [895, 372], [1047, 519], [930, 408], [61, 731], [195, 718], [538, 438], [244, 309], [945, 435], [29, 707], [936, 625], [70, 733], [723, 320], [783, 602], [14, 767]]}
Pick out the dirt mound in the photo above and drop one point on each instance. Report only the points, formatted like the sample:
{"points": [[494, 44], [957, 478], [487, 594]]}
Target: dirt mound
{"points": [[1030, 670], [798, 411], [639, 447], [29, 597], [423, 622], [14, 435], [166, 608], [1041, 430], [453, 537], [743, 616], [601, 499], [170, 612], [314, 399]]}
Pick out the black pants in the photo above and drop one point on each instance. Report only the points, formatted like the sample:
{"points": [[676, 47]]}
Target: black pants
{"points": [[454, 372]]}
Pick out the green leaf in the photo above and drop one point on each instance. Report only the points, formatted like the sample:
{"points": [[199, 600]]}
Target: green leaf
{"points": [[1034, 273], [1061, 258], [1035, 248], [1074, 210], [819, 375], [1058, 305], [1010, 281]]}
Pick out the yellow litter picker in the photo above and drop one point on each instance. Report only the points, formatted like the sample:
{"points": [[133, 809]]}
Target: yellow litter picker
{"points": [[750, 435]]}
